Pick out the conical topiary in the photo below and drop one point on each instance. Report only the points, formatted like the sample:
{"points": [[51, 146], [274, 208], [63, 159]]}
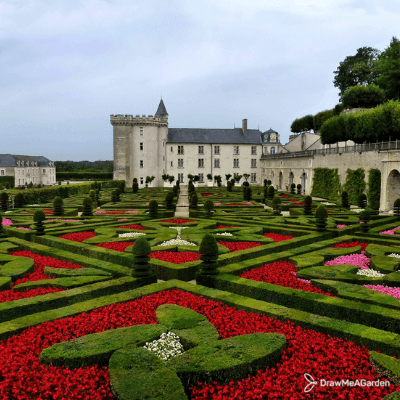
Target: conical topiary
{"points": [[362, 200], [19, 200], [114, 196], [193, 201], [209, 207], [276, 205], [97, 194], [4, 200], [345, 199], [141, 250], [265, 192], [293, 188], [229, 186], [38, 218], [58, 206], [365, 216], [321, 217], [209, 255], [248, 194], [87, 207], [270, 192], [135, 186], [299, 189], [308, 205], [153, 209], [92, 195], [169, 198], [396, 208]]}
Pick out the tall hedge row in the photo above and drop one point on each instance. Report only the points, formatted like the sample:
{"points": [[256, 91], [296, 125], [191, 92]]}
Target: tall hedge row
{"points": [[355, 184], [7, 181], [326, 183], [82, 176], [374, 188], [370, 126]]}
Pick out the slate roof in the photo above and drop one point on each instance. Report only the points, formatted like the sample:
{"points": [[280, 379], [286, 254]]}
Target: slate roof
{"points": [[207, 136], [161, 110], [10, 160]]}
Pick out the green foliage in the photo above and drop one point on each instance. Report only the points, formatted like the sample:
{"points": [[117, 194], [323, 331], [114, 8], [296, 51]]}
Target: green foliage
{"points": [[356, 70], [388, 68], [229, 186], [363, 96], [7, 182], [165, 177], [227, 176], [209, 206], [141, 247], [374, 188], [135, 187], [362, 200], [209, 255], [153, 209], [270, 192], [87, 207], [304, 124], [307, 205], [193, 201], [19, 200], [293, 188], [321, 216], [4, 200], [334, 129], [345, 199], [355, 184], [365, 215], [169, 198], [276, 205], [141, 250], [321, 117], [326, 183], [171, 178], [396, 208], [209, 177], [247, 195], [39, 216]]}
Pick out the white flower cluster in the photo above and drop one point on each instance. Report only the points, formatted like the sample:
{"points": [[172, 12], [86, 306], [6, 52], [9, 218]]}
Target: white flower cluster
{"points": [[370, 272], [395, 255], [327, 203], [131, 234], [168, 346], [178, 241], [357, 210], [224, 234]]}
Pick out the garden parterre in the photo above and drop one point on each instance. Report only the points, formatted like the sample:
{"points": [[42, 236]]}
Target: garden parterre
{"points": [[331, 317]]}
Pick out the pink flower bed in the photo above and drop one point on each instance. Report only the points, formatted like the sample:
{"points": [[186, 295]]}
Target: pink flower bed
{"points": [[360, 260], [340, 226], [6, 222], [391, 291], [390, 231]]}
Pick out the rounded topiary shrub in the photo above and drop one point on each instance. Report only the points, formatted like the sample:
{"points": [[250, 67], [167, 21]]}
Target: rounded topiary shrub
{"points": [[58, 206], [209, 207], [345, 199], [362, 200], [308, 205], [135, 187], [97, 195], [19, 200], [209, 255], [365, 216], [270, 192], [396, 208], [177, 183], [38, 218], [4, 200], [245, 184], [193, 201], [265, 182], [92, 195], [265, 192], [248, 194], [299, 189], [141, 250], [153, 209], [276, 205], [169, 198], [293, 188], [229, 186], [87, 207], [321, 216]]}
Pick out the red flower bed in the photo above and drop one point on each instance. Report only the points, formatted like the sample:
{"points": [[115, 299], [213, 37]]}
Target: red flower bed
{"points": [[301, 203], [225, 226], [206, 194], [178, 221], [48, 211], [236, 246], [118, 246], [175, 257], [78, 236], [137, 227], [350, 244], [38, 274], [278, 237], [284, 195], [282, 273], [307, 351]]}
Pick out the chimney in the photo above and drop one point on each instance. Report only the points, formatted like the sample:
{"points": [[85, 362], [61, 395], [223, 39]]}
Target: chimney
{"points": [[244, 125]]}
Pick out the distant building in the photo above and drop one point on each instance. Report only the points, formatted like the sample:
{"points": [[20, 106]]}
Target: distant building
{"points": [[146, 146], [27, 169]]}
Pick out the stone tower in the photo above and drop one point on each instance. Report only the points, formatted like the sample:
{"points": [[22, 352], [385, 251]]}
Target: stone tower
{"points": [[140, 145]]}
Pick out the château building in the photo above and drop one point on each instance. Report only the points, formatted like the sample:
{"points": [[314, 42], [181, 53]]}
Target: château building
{"points": [[147, 146]]}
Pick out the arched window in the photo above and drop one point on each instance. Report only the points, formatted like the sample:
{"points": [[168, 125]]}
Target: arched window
{"points": [[272, 150]]}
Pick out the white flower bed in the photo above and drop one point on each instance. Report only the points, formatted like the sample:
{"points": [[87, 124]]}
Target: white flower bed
{"points": [[131, 234], [168, 346], [327, 204], [370, 272], [395, 255], [177, 242], [224, 234]]}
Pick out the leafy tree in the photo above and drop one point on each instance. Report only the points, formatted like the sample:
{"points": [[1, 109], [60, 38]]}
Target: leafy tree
{"points": [[304, 124], [363, 96], [356, 70], [246, 176], [321, 117], [388, 68]]}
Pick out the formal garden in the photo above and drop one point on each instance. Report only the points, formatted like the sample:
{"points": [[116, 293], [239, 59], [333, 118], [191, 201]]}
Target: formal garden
{"points": [[258, 294]]}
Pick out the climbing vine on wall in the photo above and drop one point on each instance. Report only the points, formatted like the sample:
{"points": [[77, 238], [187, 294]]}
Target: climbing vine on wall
{"points": [[355, 184], [374, 188], [326, 183]]}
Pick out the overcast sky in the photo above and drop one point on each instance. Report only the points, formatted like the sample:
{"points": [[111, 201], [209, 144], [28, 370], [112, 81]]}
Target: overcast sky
{"points": [[66, 65]]}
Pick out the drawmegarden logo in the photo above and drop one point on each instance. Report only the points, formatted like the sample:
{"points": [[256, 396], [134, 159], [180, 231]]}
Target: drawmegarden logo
{"points": [[311, 382]]}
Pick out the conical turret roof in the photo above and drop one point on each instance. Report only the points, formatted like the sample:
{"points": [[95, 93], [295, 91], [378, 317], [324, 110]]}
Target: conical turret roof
{"points": [[161, 110]]}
